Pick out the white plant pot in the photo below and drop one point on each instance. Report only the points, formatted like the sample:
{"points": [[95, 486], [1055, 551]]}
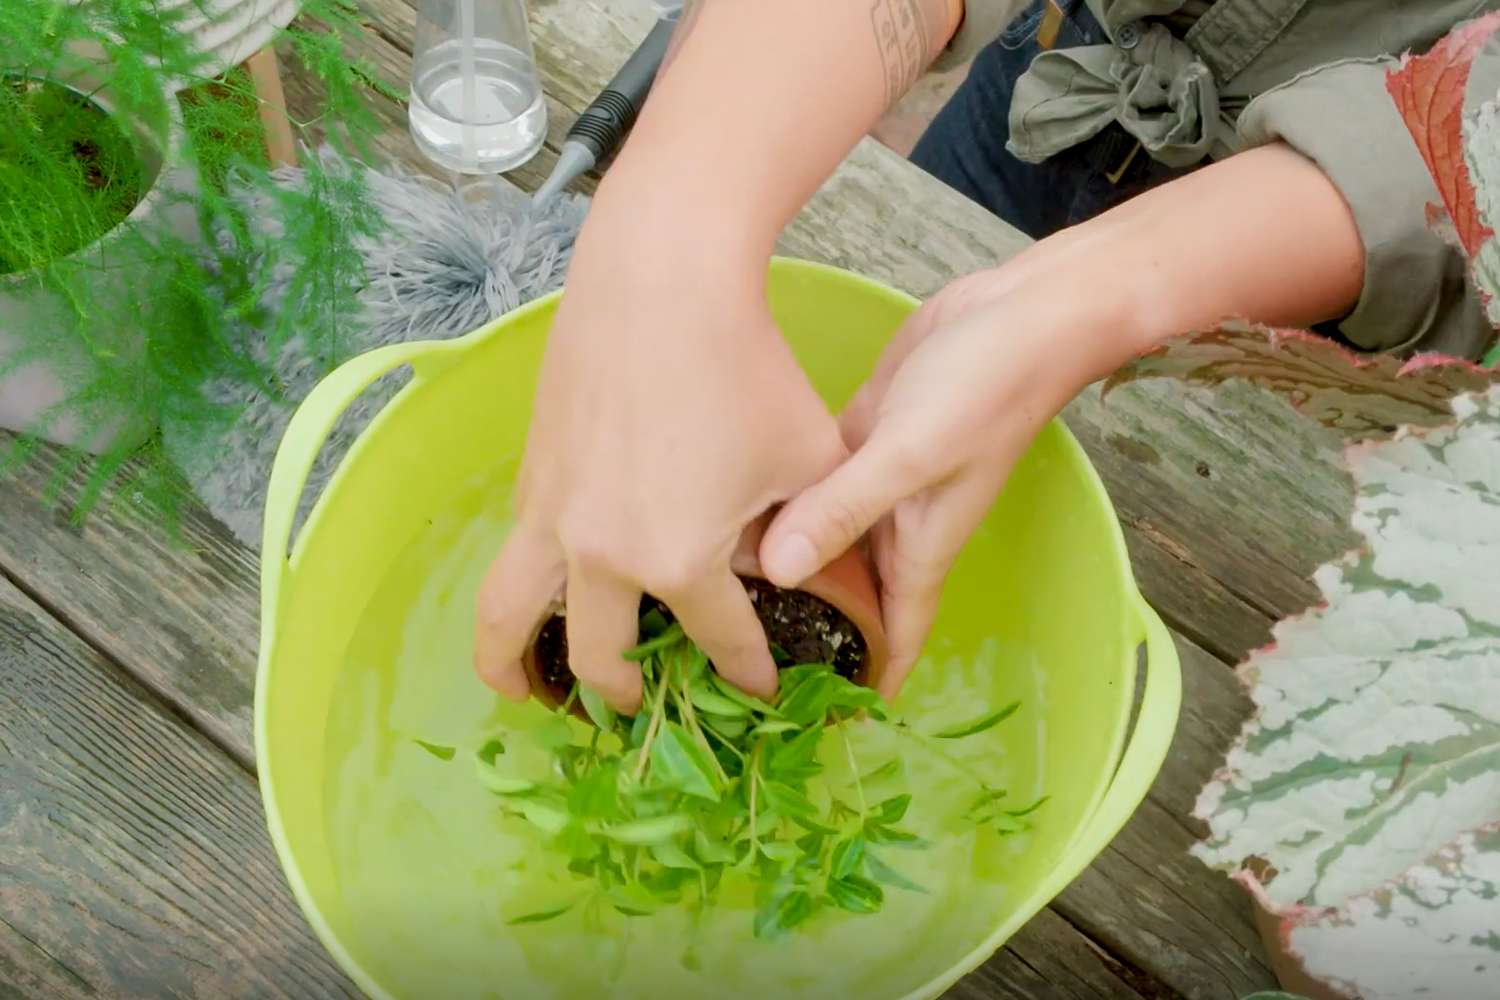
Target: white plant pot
{"points": [[231, 31], [37, 389]]}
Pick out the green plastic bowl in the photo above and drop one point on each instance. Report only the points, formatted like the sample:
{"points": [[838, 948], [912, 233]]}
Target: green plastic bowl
{"points": [[404, 866]]}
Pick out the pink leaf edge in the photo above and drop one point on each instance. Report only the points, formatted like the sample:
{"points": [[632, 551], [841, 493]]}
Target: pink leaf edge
{"points": [[1429, 94], [1360, 395]]}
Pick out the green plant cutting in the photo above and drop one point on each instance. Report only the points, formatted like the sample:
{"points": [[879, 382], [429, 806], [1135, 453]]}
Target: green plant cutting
{"points": [[706, 783]]}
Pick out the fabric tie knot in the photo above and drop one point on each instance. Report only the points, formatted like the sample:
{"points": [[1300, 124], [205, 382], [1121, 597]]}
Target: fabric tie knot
{"points": [[1159, 91]]}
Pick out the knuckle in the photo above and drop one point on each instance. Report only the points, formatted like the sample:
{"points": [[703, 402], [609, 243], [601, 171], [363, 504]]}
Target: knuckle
{"points": [[846, 520], [673, 576]]}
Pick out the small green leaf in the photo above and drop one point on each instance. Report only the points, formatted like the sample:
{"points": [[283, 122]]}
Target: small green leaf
{"points": [[677, 761], [1029, 809], [669, 636], [807, 701], [812, 826], [490, 750], [780, 851], [734, 694], [844, 693], [670, 855], [847, 855], [787, 800], [596, 795], [978, 725], [856, 894], [730, 729], [889, 769], [597, 710], [706, 699], [542, 916], [649, 831], [882, 872], [546, 818], [639, 727], [878, 834], [783, 913], [653, 623], [796, 759], [437, 750], [775, 727], [986, 799], [891, 810], [711, 849], [1006, 823]]}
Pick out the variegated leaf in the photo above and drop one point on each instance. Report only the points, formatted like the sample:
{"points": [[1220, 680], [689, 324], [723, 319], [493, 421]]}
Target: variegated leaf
{"points": [[1359, 395], [1447, 99], [1432, 933], [1376, 740]]}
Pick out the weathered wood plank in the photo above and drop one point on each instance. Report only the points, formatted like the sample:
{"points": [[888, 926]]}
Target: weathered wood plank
{"points": [[1055, 961], [28, 971], [132, 850], [1145, 898], [181, 615]]}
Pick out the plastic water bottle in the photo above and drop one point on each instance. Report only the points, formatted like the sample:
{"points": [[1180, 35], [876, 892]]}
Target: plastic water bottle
{"points": [[476, 100]]}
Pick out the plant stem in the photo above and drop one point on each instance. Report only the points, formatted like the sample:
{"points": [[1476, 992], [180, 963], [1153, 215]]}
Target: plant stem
{"points": [[723, 741], [690, 720], [859, 788], [943, 755], [657, 712], [754, 780]]}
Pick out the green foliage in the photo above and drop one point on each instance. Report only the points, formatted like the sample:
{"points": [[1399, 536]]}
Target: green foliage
{"points": [[164, 319], [707, 784]]}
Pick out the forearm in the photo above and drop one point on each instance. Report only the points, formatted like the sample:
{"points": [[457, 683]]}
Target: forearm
{"points": [[1263, 236], [760, 101]]}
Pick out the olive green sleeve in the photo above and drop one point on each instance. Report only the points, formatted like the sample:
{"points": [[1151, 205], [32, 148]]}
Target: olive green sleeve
{"points": [[1416, 294], [982, 23]]}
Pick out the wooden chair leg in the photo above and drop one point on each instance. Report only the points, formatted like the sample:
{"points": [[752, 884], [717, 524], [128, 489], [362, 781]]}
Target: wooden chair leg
{"points": [[265, 77]]}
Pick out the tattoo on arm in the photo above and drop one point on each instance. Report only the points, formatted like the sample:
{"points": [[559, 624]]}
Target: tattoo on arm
{"points": [[904, 33]]}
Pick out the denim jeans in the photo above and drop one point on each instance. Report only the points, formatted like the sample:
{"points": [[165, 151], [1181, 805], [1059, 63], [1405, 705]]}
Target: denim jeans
{"points": [[965, 144]]}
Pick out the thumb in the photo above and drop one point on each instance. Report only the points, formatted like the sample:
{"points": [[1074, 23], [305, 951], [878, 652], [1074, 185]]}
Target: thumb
{"points": [[828, 518]]}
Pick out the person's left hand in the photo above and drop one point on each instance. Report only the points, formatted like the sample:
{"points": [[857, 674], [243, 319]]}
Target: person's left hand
{"points": [[955, 400]]}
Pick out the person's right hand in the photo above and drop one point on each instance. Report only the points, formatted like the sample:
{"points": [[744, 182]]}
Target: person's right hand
{"points": [[669, 415]]}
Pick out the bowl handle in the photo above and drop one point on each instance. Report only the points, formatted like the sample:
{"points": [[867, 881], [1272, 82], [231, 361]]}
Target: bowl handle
{"points": [[304, 437], [1145, 748]]}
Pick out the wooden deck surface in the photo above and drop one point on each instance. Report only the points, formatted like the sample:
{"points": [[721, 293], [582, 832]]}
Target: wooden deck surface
{"points": [[133, 854]]}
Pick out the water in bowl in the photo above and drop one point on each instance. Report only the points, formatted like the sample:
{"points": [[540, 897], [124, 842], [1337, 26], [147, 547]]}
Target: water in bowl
{"points": [[430, 872]]}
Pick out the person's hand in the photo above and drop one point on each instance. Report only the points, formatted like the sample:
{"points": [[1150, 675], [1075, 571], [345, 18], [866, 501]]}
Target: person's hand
{"points": [[670, 413], [957, 396]]}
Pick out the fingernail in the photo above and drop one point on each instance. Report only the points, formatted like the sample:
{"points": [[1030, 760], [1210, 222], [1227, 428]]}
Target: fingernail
{"points": [[791, 560]]}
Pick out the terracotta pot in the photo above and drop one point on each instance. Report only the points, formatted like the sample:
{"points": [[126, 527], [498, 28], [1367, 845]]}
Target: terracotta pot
{"points": [[847, 583], [1290, 972]]}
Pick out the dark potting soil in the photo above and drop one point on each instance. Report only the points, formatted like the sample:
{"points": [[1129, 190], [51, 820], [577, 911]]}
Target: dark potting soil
{"points": [[800, 628], [68, 172]]}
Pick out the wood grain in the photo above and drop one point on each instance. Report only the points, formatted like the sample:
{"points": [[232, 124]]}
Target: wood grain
{"points": [[133, 857], [1229, 500]]}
